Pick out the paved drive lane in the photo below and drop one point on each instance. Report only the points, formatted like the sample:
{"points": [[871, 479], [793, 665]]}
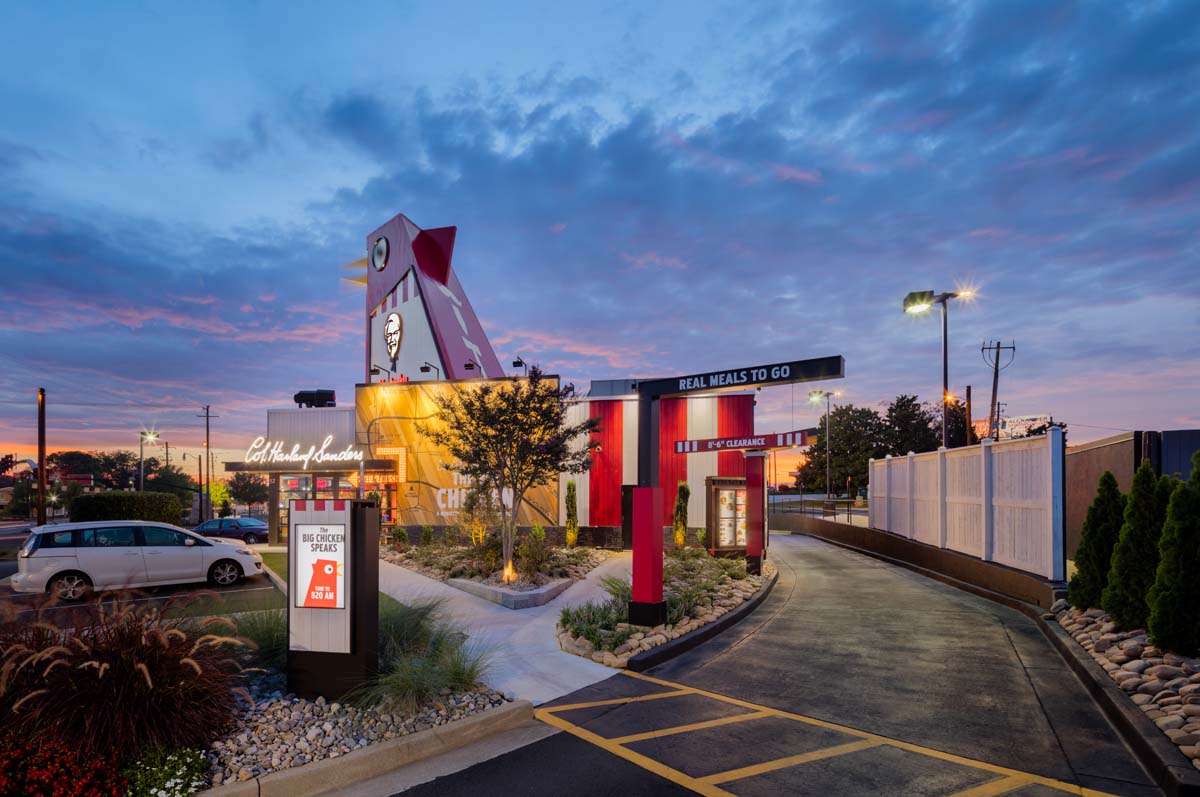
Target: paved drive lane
{"points": [[853, 677]]}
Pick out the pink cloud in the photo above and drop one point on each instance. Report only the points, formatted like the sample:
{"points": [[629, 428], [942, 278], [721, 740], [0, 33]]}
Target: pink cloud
{"points": [[557, 228], [791, 174], [266, 297], [205, 300], [615, 355], [647, 259]]}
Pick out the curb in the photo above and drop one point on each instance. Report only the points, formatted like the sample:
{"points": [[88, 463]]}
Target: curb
{"points": [[1169, 768], [669, 650], [279, 583], [1165, 765], [332, 775]]}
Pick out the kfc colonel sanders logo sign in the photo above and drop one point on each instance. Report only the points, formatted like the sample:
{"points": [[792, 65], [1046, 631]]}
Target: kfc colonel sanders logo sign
{"points": [[393, 330]]}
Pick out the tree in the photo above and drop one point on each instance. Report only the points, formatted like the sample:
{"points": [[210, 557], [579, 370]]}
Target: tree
{"points": [[572, 530], [1135, 556], [857, 434], [1093, 558], [248, 488], [910, 427], [79, 463], [956, 423], [172, 479], [218, 494], [1175, 596], [118, 469], [1163, 491], [513, 436], [682, 494]]}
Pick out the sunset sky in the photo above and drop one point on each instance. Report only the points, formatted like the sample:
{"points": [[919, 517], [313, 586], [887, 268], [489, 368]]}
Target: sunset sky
{"points": [[640, 190]]}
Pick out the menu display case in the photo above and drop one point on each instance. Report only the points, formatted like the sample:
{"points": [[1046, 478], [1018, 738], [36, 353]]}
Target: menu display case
{"points": [[726, 514]]}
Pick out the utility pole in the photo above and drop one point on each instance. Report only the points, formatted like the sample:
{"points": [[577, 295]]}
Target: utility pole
{"points": [[207, 416], [168, 447], [970, 428], [41, 502], [992, 356]]}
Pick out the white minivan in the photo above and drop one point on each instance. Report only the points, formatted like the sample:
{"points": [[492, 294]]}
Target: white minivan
{"points": [[72, 559]]}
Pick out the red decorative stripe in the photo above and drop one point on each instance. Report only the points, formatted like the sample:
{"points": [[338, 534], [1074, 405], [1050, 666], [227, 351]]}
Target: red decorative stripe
{"points": [[672, 467], [735, 418], [318, 506], [339, 506], [300, 505], [604, 479]]}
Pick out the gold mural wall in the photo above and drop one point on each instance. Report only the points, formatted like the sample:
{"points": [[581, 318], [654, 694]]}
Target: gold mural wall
{"points": [[421, 490]]}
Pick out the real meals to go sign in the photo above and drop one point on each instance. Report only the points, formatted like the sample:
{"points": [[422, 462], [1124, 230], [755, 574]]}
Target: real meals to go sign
{"points": [[780, 440], [742, 378], [266, 452]]}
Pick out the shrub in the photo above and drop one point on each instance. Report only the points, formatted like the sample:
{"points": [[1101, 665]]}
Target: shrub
{"points": [[118, 672], [533, 553], [168, 774], [701, 534], [1135, 556], [480, 513], [155, 507], [1093, 558], [47, 767], [682, 494], [1175, 596], [266, 633], [450, 536], [419, 655], [426, 537], [491, 554], [572, 530]]}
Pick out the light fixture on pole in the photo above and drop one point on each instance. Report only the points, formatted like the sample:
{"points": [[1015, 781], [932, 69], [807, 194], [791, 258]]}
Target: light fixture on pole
{"points": [[428, 366], [143, 437], [815, 397], [918, 302], [519, 362], [471, 365]]}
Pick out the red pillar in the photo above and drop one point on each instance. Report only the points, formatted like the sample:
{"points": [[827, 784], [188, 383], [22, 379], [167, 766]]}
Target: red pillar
{"points": [[647, 607], [756, 516]]}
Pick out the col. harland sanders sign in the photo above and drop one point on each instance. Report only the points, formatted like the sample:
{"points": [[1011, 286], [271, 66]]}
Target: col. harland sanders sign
{"points": [[266, 452]]}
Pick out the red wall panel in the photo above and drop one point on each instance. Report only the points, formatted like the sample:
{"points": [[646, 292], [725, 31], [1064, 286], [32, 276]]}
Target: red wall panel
{"points": [[735, 416], [672, 467], [604, 481]]}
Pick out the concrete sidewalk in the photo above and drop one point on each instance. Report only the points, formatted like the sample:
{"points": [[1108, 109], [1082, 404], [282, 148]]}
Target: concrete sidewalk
{"points": [[526, 661]]}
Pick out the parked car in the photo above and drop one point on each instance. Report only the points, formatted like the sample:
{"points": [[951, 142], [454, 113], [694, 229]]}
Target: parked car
{"points": [[247, 529], [71, 560]]}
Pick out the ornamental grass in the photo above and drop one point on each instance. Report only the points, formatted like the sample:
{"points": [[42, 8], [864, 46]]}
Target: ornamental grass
{"points": [[115, 678]]}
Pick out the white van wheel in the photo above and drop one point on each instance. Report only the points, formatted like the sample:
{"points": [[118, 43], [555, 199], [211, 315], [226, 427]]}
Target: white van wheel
{"points": [[70, 586]]}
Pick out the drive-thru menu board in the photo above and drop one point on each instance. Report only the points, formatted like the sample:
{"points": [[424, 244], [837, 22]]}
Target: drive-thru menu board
{"points": [[726, 513], [321, 565]]}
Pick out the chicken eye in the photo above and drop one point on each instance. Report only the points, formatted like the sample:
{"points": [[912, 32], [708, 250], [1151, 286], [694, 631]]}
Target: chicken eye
{"points": [[328, 570]]}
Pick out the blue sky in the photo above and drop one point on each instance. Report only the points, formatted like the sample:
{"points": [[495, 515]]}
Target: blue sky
{"points": [[638, 191]]}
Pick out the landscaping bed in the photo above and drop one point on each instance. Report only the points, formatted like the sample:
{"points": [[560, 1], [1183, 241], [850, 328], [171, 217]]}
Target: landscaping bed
{"points": [[281, 730], [698, 589], [442, 562], [1163, 685], [125, 697]]}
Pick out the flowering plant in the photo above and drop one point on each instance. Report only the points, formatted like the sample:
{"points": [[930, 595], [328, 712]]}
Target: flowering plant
{"points": [[49, 768], [168, 774]]}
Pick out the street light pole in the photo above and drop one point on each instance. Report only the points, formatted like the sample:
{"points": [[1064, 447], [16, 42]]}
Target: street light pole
{"points": [[945, 372], [918, 302], [815, 396], [142, 438]]}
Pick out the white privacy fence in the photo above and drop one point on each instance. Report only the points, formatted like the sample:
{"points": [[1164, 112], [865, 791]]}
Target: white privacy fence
{"points": [[1000, 502]]}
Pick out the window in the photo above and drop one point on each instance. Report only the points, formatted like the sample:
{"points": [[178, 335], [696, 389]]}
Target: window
{"points": [[157, 535], [229, 524], [58, 539], [110, 537], [210, 525]]}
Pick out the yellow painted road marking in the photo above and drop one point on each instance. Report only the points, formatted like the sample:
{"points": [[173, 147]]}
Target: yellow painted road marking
{"points": [[706, 786], [616, 701], [995, 788], [645, 762], [790, 761], [695, 726]]}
